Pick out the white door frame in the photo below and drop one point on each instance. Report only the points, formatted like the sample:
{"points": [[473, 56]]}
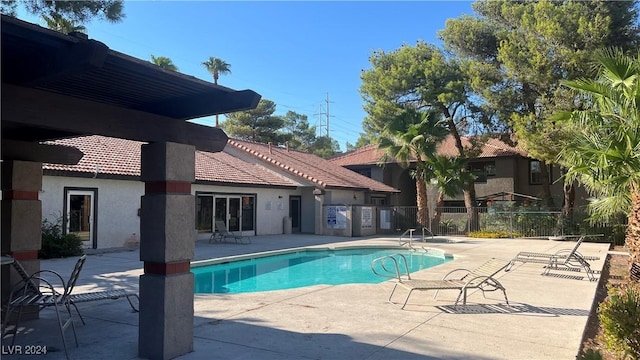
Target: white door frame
{"points": [[90, 242]]}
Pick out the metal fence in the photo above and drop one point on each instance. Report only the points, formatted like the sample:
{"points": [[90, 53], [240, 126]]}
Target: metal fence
{"points": [[515, 222]]}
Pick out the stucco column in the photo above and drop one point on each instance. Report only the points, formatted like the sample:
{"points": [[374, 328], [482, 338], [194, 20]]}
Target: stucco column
{"points": [[21, 220], [167, 239], [319, 210]]}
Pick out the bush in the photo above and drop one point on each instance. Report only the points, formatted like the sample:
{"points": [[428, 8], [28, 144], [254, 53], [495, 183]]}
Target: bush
{"points": [[619, 315], [590, 355], [493, 234], [56, 244]]}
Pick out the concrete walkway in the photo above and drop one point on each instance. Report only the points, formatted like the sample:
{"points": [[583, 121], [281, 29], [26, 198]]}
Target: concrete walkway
{"points": [[546, 319]]}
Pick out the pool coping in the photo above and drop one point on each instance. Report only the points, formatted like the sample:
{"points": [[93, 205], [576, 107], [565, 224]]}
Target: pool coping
{"points": [[262, 254]]}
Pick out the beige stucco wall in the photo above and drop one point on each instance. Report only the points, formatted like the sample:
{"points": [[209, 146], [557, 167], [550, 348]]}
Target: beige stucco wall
{"points": [[117, 206], [272, 205], [119, 200]]}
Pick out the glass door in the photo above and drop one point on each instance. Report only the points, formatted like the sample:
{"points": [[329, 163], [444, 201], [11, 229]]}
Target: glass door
{"points": [[235, 213], [80, 215], [295, 213]]}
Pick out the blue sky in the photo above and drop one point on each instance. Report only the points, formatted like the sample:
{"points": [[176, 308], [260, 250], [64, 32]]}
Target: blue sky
{"points": [[293, 53]]}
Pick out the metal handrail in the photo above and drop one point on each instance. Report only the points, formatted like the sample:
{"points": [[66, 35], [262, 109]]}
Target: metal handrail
{"points": [[410, 241], [396, 267]]}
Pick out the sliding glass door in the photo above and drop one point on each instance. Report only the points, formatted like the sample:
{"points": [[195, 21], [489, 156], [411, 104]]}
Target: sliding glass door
{"points": [[235, 211]]}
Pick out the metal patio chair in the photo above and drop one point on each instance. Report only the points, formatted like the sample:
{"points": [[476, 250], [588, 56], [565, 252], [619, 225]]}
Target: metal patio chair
{"points": [[38, 292]]}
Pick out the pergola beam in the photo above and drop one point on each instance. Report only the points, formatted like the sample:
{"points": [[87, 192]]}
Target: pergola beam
{"points": [[30, 151], [84, 117]]}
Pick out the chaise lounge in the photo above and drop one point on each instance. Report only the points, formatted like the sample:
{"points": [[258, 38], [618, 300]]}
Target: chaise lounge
{"points": [[565, 259], [28, 285], [482, 278], [222, 234]]}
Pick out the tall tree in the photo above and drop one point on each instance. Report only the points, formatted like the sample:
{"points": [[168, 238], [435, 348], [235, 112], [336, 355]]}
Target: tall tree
{"points": [[603, 153], [164, 62], [324, 146], [516, 53], [259, 124], [58, 23], [448, 176], [216, 67], [78, 12], [413, 135], [422, 77], [303, 136]]}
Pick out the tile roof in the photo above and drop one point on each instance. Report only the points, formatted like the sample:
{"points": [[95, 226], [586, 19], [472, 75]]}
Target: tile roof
{"points": [[322, 172], [370, 154], [119, 157], [122, 157]]}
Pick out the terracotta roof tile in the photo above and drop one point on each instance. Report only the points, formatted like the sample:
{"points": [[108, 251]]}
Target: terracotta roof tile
{"points": [[322, 172], [370, 154], [106, 155], [224, 168], [114, 156]]}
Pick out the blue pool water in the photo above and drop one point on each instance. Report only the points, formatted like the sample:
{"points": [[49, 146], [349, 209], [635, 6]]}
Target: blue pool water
{"points": [[300, 269]]}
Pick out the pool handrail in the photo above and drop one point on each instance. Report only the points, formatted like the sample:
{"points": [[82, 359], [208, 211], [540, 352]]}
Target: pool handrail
{"points": [[396, 274]]}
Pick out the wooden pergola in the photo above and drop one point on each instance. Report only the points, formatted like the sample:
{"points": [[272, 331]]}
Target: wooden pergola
{"points": [[56, 86]]}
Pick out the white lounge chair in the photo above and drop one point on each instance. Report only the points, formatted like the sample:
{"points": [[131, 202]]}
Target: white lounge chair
{"points": [[565, 259], [482, 278]]}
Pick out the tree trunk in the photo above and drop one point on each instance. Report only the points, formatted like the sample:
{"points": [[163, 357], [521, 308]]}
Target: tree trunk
{"points": [[437, 213], [633, 226], [569, 199], [546, 186], [473, 222], [421, 199]]}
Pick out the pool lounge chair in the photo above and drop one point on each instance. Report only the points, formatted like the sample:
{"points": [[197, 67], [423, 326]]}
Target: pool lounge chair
{"points": [[565, 259], [37, 291], [73, 298], [222, 234], [481, 278]]}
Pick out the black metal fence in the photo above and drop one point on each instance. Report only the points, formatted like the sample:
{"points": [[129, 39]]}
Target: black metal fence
{"points": [[508, 222]]}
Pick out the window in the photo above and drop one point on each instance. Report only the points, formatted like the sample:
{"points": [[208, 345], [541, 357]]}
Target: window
{"points": [[236, 211], [378, 201], [535, 172], [483, 170]]}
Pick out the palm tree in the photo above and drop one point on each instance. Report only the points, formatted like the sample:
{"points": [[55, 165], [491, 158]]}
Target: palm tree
{"points": [[413, 135], [448, 176], [604, 153], [164, 62], [217, 67], [58, 23]]}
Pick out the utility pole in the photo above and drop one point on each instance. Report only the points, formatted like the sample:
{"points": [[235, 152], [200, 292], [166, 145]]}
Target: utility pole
{"points": [[320, 115], [327, 116]]}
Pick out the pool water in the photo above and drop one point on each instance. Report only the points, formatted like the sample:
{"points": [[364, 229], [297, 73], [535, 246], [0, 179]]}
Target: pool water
{"points": [[300, 269]]}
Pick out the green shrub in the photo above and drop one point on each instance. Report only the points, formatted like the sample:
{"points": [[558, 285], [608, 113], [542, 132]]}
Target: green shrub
{"points": [[493, 234], [619, 316], [56, 244], [591, 355]]}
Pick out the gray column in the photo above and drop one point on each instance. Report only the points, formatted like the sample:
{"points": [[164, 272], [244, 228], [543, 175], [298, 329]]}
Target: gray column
{"points": [[167, 238], [319, 211], [21, 220]]}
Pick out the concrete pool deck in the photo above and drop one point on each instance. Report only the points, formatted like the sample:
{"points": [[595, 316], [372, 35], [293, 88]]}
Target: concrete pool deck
{"points": [[546, 319]]}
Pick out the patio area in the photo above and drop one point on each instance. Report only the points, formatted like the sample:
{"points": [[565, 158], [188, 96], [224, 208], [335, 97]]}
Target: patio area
{"points": [[546, 319]]}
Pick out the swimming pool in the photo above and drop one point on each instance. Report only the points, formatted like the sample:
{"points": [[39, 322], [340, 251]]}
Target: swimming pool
{"points": [[302, 268]]}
